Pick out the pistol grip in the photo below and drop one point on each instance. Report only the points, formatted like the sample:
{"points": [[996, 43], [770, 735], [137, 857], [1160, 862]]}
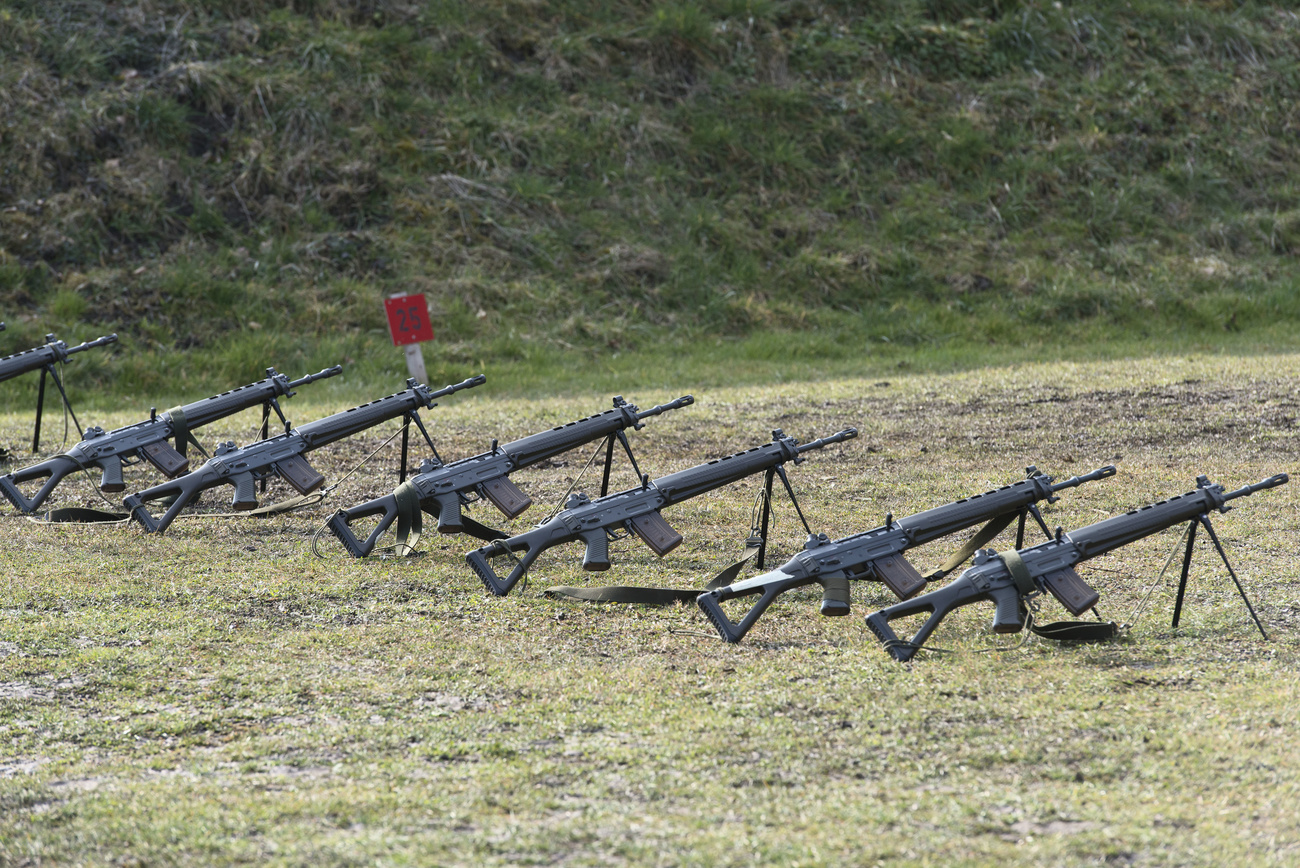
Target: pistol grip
{"points": [[245, 497], [1007, 615], [449, 515], [835, 597], [111, 482], [596, 557]]}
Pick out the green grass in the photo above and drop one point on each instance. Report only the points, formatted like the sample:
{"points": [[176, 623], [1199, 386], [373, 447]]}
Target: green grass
{"points": [[220, 695], [234, 185], [987, 233]]}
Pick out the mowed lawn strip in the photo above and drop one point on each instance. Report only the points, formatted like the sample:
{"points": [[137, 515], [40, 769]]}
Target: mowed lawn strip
{"points": [[221, 694]]}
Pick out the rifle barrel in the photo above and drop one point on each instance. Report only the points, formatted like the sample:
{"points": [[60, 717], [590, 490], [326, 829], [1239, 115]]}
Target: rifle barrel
{"points": [[1247, 490], [319, 375], [683, 401], [1100, 473], [838, 437], [87, 345]]}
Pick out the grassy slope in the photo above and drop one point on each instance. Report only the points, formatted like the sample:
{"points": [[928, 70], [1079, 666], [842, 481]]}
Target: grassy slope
{"points": [[593, 191], [219, 695]]}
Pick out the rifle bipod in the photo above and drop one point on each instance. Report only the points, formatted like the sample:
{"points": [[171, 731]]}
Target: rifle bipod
{"points": [[1204, 520], [40, 405]]}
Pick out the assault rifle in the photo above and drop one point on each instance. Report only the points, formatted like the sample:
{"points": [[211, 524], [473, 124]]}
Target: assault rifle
{"points": [[597, 522], [110, 450], [282, 455], [878, 554], [442, 490], [1007, 579], [44, 358]]}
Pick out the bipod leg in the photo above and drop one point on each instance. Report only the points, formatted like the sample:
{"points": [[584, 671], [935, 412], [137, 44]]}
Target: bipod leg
{"points": [[266, 430], [1032, 509], [424, 432], [54, 375], [1187, 566], [794, 501], [764, 519], [406, 442], [1214, 537], [609, 461], [40, 406]]}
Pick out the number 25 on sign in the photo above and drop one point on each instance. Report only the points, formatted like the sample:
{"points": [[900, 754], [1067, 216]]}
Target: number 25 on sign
{"points": [[408, 319]]}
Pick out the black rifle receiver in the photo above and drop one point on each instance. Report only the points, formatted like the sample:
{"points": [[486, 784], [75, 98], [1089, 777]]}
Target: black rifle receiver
{"points": [[1006, 579], [442, 490], [282, 455], [635, 511], [106, 450], [878, 554]]}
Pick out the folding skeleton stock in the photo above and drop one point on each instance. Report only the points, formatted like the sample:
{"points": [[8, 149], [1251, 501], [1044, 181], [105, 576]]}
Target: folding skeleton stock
{"points": [[1009, 578], [596, 522], [282, 455], [43, 359], [108, 451], [877, 554], [442, 490]]}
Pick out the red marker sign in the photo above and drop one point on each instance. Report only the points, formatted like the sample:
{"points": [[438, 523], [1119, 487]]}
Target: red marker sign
{"points": [[408, 319]]}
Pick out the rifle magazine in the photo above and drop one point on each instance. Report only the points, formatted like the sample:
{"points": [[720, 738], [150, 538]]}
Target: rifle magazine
{"points": [[656, 533], [506, 496], [1071, 591], [899, 576]]}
